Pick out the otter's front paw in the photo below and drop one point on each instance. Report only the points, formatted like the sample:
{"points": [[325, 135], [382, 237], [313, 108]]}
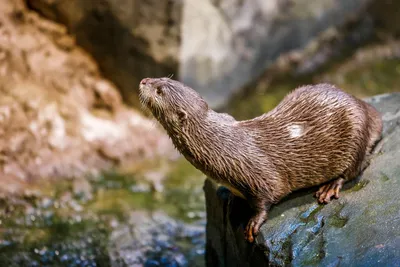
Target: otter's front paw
{"points": [[253, 226]]}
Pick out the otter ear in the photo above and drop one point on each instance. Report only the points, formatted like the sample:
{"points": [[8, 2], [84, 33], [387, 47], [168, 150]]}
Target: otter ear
{"points": [[182, 116]]}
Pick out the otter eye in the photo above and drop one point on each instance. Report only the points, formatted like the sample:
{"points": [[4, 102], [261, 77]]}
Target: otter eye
{"points": [[159, 91]]}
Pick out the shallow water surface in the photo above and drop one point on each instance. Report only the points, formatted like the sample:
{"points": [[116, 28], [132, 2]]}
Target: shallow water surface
{"points": [[110, 220]]}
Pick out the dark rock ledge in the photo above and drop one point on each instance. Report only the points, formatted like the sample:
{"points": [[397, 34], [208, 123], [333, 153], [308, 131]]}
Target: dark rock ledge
{"points": [[361, 228]]}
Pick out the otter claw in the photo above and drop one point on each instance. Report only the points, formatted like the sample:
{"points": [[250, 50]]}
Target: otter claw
{"points": [[248, 232], [253, 226], [326, 192]]}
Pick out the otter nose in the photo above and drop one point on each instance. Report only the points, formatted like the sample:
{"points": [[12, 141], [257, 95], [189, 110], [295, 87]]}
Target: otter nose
{"points": [[145, 81]]}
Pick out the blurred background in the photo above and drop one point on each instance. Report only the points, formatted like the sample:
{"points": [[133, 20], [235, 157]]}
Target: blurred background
{"points": [[86, 179]]}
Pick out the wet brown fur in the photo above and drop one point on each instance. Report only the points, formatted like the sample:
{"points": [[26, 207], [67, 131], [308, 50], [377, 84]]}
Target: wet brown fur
{"points": [[259, 159]]}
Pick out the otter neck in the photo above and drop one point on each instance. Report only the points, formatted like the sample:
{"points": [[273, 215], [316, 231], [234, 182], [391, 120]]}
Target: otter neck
{"points": [[202, 140]]}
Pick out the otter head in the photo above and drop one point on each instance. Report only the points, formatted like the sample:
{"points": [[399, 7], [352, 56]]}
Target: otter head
{"points": [[172, 103]]}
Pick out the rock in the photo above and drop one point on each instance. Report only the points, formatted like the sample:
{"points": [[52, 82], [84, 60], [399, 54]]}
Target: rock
{"points": [[359, 229], [363, 46], [216, 47], [58, 116], [227, 44], [129, 39]]}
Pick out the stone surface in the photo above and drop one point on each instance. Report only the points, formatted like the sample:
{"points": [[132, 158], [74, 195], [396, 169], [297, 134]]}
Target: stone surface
{"points": [[228, 43], [359, 56], [216, 47], [130, 39], [361, 228], [58, 116]]}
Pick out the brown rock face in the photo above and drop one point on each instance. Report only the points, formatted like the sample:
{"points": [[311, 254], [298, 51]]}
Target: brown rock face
{"points": [[214, 46], [58, 116], [130, 39]]}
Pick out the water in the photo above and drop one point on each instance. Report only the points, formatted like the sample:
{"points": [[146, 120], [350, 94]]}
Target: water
{"points": [[110, 220]]}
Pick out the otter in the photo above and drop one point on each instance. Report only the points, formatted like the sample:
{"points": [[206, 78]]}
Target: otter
{"points": [[317, 135]]}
